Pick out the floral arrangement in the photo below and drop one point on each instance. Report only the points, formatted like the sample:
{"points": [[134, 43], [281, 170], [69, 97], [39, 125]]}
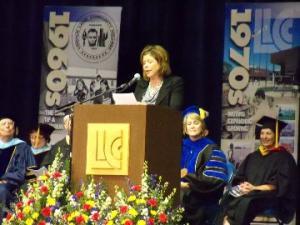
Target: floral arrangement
{"points": [[146, 204], [40, 203], [48, 201], [90, 205]]}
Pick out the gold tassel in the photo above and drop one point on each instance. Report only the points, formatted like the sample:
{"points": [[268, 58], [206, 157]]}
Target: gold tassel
{"points": [[276, 134], [37, 137]]}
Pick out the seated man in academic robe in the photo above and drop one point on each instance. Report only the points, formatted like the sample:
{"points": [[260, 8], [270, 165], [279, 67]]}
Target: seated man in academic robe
{"points": [[15, 157]]}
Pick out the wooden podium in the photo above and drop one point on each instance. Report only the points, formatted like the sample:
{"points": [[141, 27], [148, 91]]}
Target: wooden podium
{"points": [[151, 133]]}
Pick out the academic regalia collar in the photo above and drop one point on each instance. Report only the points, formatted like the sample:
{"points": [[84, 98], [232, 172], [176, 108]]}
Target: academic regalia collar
{"points": [[12, 142], [263, 151], [202, 141], [37, 151]]}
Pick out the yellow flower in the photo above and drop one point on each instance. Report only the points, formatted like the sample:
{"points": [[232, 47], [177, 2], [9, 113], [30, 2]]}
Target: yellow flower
{"points": [[73, 215], [110, 222], [141, 222], [71, 223], [140, 201], [50, 201], [133, 212], [43, 177], [131, 198], [26, 209], [70, 218], [153, 212], [35, 215], [113, 214], [85, 217], [90, 202], [29, 221]]}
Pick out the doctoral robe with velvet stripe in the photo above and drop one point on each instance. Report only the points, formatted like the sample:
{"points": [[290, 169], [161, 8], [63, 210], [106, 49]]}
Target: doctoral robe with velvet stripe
{"points": [[207, 176], [14, 162], [15, 158]]}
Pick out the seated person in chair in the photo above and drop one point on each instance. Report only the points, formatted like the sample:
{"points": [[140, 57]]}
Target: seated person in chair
{"points": [[15, 156], [203, 170], [265, 180]]}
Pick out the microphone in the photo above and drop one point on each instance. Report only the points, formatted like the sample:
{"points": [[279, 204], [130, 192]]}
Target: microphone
{"points": [[135, 78]]}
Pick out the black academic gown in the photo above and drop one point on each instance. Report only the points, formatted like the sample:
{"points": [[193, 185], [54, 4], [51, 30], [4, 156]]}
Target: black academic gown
{"points": [[14, 161], [277, 168], [170, 93]]}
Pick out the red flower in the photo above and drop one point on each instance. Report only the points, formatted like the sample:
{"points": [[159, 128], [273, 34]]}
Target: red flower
{"points": [[8, 216], [46, 212], [44, 189], [95, 216], [20, 215], [123, 209], [151, 221], [79, 219], [43, 222], [152, 202], [86, 207], [79, 194], [56, 175], [136, 188], [30, 201], [163, 218], [19, 205], [128, 222]]}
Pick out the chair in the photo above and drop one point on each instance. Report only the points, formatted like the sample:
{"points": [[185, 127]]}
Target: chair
{"points": [[231, 170]]}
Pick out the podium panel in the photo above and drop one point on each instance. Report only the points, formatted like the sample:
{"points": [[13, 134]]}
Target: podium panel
{"points": [[113, 141]]}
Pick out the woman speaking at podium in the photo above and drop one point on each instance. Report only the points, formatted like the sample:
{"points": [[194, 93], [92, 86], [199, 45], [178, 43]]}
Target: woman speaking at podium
{"points": [[158, 86]]}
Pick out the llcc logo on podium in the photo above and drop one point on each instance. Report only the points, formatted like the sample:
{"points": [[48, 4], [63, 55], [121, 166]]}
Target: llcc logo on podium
{"points": [[107, 148]]}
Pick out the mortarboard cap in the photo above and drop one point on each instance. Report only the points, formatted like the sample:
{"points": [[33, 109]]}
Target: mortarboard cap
{"points": [[11, 116], [272, 123], [194, 109]]}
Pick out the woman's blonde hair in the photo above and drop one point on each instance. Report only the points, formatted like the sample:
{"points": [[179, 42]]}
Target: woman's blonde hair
{"points": [[161, 56], [193, 116]]}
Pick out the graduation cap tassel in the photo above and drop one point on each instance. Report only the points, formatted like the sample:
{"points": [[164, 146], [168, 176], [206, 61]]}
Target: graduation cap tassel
{"points": [[37, 137], [276, 134]]}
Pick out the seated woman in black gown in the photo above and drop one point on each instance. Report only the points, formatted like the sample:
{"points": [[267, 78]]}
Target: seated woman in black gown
{"points": [[265, 180]]}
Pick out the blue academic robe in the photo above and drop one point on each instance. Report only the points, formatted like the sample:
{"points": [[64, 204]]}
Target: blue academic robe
{"points": [[207, 175], [15, 157]]}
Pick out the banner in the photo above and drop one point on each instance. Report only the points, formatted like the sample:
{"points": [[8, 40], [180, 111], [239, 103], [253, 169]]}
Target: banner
{"points": [[260, 74], [80, 58]]}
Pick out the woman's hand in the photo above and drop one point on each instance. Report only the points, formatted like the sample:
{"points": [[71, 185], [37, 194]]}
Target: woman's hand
{"points": [[247, 187], [183, 172], [184, 185]]}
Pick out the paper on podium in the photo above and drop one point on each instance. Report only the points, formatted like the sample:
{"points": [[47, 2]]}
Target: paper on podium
{"points": [[124, 99]]}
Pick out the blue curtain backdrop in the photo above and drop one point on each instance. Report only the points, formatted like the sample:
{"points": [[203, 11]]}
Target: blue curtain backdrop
{"points": [[192, 31]]}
